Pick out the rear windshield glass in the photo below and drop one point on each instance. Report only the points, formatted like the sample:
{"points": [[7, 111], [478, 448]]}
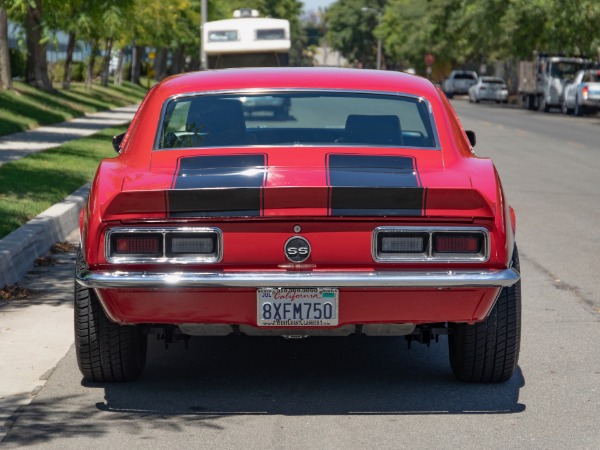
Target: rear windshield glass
{"points": [[464, 76], [296, 118]]}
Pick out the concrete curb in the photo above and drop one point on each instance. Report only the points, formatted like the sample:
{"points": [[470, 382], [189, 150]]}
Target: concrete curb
{"points": [[19, 250]]}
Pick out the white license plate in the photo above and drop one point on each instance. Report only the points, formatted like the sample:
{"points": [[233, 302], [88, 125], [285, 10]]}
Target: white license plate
{"points": [[306, 307]]}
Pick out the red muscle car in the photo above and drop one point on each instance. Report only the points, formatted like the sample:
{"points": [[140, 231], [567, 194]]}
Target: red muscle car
{"points": [[362, 210]]}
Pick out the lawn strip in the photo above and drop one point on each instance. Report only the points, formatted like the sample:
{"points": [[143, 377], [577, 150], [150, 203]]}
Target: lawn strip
{"points": [[32, 184], [26, 107]]}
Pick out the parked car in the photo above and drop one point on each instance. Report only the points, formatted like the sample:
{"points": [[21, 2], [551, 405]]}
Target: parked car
{"points": [[278, 106], [582, 95], [459, 82], [489, 88], [365, 211]]}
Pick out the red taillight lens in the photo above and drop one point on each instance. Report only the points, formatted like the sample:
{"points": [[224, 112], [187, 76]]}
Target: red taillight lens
{"points": [[457, 243], [137, 244], [584, 92]]}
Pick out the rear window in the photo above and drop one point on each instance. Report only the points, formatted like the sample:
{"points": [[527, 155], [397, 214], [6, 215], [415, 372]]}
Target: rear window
{"points": [[278, 33], [464, 76], [296, 119]]}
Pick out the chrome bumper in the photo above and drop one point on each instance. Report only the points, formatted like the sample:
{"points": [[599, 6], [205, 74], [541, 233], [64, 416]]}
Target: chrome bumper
{"points": [[380, 279]]}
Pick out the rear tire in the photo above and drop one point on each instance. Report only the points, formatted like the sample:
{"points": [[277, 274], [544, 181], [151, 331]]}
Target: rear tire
{"points": [[106, 351], [488, 352]]}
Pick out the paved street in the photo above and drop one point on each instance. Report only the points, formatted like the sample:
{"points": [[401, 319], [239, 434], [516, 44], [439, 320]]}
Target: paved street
{"points": [[253, 393]]}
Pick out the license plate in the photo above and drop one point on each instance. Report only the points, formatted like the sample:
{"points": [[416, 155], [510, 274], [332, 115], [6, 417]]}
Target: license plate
{"points": [[307, 307]]}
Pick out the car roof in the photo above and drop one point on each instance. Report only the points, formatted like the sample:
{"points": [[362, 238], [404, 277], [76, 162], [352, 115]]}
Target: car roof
{"points": [[298, 78]]}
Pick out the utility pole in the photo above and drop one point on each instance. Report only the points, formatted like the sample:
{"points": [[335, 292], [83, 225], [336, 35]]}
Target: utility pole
{"points": [[379, 18], [203, 13]]}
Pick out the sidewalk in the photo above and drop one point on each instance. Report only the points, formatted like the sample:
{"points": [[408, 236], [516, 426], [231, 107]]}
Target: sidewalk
{"points": [[36, 332], [20, 248], [18, 145]]}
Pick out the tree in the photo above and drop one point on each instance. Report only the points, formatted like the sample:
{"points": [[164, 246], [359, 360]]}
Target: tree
{"points": [[5, 71], [37, 64], [64, 16], [350, 29]]}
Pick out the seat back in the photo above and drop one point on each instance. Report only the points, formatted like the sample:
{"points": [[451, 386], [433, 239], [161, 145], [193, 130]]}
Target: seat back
{"points": [[378, 130], [217, 122]]}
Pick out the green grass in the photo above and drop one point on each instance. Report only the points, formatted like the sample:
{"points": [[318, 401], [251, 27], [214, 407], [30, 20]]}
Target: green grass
{"points": [[30, 185], [26, 107]]}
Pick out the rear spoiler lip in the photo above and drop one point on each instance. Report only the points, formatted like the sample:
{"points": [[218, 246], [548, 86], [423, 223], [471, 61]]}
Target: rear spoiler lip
{"points": [[301, 201]]}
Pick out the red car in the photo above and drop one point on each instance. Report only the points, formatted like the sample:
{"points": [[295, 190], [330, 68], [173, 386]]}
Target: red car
{"points": [[362, 210]]}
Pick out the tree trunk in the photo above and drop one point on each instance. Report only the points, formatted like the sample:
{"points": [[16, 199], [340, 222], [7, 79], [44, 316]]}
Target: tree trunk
{"points": [[89, 76], [68, 62], [160, 63], [106, 62], [5, 71], [118, 80], [136, 64], [37, 64], [178, 61]]}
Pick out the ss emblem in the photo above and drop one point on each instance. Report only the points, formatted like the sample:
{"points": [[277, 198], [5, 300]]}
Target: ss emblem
{"points": [[297, 249]]}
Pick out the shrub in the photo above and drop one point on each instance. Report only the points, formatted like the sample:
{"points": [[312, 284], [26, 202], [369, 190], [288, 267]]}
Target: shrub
{"points": [[18, 63]]}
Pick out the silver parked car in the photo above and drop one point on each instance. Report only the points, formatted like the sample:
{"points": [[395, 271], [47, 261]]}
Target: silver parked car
{"points": [[489, 88], [459, 82], [582, 95]]}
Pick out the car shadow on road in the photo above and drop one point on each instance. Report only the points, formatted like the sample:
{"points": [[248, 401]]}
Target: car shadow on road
{"points": [[316, 376]]}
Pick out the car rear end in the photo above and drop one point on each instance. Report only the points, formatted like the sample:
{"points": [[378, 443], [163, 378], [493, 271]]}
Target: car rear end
{"points": [[347, 216]]}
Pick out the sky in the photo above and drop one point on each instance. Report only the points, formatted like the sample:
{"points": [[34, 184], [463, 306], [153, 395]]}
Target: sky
{"points": [[315, 4]]}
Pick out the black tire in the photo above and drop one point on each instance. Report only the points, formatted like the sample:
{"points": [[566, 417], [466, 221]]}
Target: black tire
{"points": [[488, 352], [105, 350]]}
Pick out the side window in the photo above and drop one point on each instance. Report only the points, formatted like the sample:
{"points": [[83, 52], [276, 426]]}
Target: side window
{"points": [[178, 117]]}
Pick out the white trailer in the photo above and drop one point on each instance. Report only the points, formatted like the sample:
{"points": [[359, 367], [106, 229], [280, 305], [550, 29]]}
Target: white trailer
{"points": [[247, 41]]}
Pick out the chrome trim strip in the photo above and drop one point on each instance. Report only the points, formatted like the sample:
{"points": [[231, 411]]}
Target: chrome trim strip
{"points": [[429, 256], [159, 130], [378, 279], [208, 259]]}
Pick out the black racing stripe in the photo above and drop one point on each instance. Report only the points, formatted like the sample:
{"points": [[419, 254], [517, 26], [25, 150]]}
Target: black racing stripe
{"points": [[363, 185], [211, 202], [221, 171], [212, 186]]}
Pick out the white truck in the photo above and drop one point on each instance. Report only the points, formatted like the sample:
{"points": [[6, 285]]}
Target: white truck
{"points": [[542, 81]]}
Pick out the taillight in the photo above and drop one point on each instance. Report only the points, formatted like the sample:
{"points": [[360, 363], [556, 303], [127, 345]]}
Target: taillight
{"points": [[584, 92], [148, 245], [191, 244], [402, 243], [392, 244], [137, 244], [457, 243]]}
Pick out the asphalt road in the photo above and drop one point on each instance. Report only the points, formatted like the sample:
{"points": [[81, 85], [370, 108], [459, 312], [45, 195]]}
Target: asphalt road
{"points": [[319, 393]]}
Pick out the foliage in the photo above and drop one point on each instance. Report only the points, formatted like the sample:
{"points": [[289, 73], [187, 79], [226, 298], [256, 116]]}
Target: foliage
{"points": [[57, 71], [465, 32], [350, 29], [18, 62]]}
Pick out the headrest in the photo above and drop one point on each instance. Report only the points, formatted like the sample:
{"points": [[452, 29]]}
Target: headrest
{"points": [[216, 116], [384, 129]]}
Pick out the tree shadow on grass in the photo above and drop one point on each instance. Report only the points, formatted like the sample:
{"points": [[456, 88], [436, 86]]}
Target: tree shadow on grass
{"points": [[37, 115]]}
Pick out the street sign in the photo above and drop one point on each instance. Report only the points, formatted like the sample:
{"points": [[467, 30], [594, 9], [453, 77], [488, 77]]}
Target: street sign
{"points": [[429, 59]]}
